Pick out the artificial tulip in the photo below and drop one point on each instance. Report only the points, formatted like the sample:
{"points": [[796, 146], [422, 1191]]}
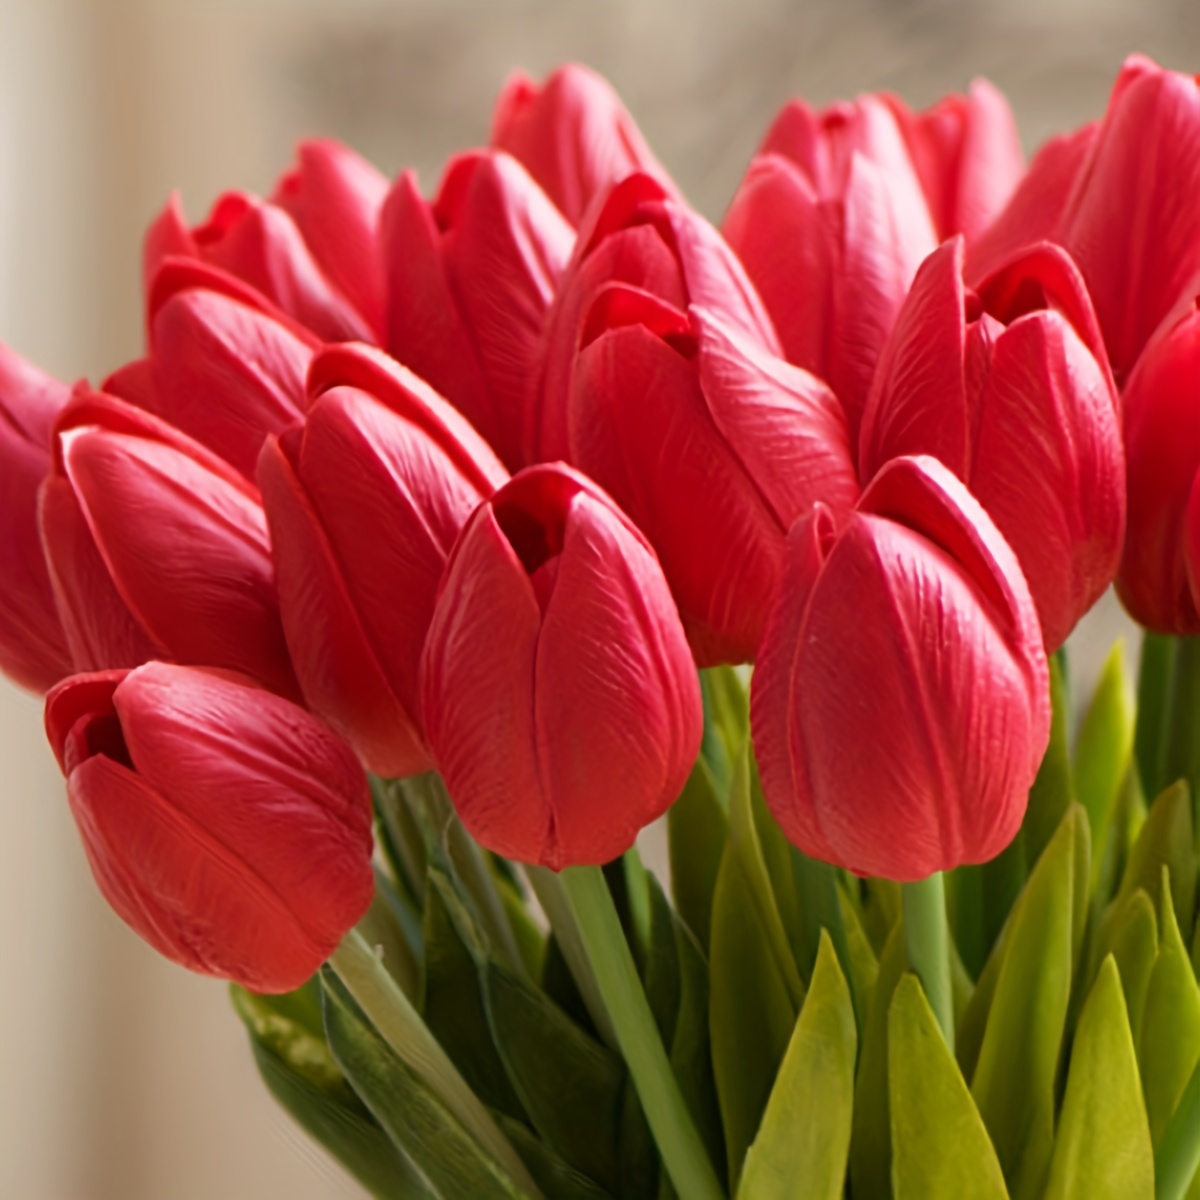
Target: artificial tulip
{"points": [[1130, 219], [470, 279], [642, 237], [900, 704], [157, 548], [260, 243], [227, 827], [1009, 387], [1162, 447], [364, 502], [831, 223], [33, 646], [560, 699], [713, 446], [573, 135]]}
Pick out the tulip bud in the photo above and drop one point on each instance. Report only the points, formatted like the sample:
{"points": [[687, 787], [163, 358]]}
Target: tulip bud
{"points": [[967, 154], [642, 237], [225, 826], [1162, 449], [157, 548], [714, 447], [33, 646], [831, 224], [364, 502], [560, 699], [1009, 387], [573, 135], [470, 279], [900, 705], [335, 197], [259, 243]]}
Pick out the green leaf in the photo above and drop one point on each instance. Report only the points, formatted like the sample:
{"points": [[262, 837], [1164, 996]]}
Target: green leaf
{"points": [[557, 1179], [697, 826], [570, 1085], [1169, 1043], [453, 1005], [1053, 790], [437, 1145], [880, 911], [393, 925], [1131, 937], [726, 722], [1103, 1150], [1104, 750], [288, 1042], [940, 1148], [871, 1137], [754, 988], [401, 838], [802, 930], [1013, 1083], [804, 1139], [1154, 685], [860, 964]]}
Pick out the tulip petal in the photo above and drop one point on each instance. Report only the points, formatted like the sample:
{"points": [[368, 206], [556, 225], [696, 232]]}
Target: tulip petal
{"points": [[169, 236], [339, 673]]}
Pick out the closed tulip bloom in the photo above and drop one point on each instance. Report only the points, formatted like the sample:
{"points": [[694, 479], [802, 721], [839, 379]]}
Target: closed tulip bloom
{"points": [[831, 223], [1009, 387], [33, 646], [560, 699], [227, 827], [364, 503], [573, 135], [261, 244], [714, 447], [1162, 447], [471, 277], [643, 237], [1130, 219], [900, 704], [157, 548]]}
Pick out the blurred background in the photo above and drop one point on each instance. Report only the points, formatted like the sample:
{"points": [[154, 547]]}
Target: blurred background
{"points": [[122, 1077]]}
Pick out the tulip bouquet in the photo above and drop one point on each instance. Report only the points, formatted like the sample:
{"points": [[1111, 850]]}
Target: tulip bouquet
{"points": [[420, 564]]}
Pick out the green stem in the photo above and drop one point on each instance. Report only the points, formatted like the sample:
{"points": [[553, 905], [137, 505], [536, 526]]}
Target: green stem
{"points": [[1178, 1157], [1181, 742], [400, 1025], [683, 1153], [927, 936], [1154, 688]]}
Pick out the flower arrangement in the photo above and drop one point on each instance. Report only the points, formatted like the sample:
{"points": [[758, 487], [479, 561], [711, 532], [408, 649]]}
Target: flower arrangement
{"points": [[420, 564]]}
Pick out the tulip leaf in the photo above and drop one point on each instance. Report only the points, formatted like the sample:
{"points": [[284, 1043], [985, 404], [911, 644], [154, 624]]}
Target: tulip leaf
{"points": [[1053, 790], [803, 1141], [726, 723], [453, 1004], [871, 1137], [288, 1042], [697, 827], [557, 1179], [751, 1008], [880, 910], [862, 967], [1013, 1081], [454, 1164], [1131, 937], [401, 837], [1169, 1042], [802, 929], [1103, 1150], [940, 1148], [393, 925], [1104, 751], [1155, 671]]}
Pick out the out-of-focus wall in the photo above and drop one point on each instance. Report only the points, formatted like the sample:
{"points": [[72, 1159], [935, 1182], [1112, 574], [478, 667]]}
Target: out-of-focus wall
{"points": [[121, 1077]]}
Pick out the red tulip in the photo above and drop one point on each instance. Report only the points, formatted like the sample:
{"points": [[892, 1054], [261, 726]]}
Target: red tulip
{"points": [[642, 237], [560, 699], [1130, 220], [968, 157], [364, 502], [470, 279], [1162, 447], [573, 135], [1009, 387], [831, 223], [713, 446], [33, 647], [335, 197], [900, 704], [260, 243], [157, 548], [226, 826]]}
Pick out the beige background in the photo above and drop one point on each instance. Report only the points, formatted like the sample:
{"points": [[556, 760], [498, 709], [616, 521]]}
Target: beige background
{"points": [[121, 1077]]}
